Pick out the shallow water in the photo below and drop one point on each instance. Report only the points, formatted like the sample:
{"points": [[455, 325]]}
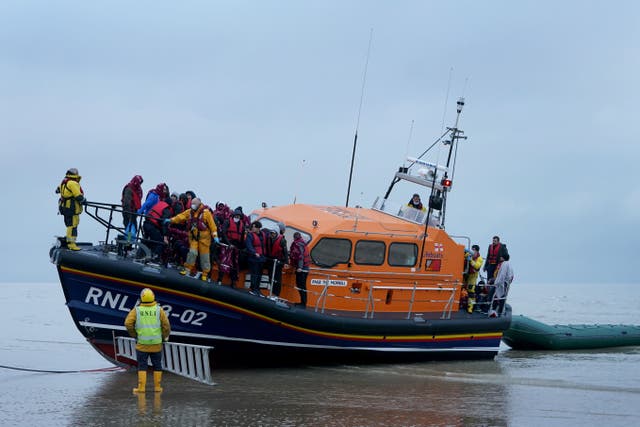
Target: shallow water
{"points": [[594, 387]]}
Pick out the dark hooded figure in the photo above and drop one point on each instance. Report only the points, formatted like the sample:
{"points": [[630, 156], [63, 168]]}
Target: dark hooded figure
{"points": [[131, 200]]}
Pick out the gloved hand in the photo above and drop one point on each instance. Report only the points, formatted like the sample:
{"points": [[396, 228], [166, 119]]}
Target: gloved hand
{"points": [[215, 239], [139, 211], [166, 221]]}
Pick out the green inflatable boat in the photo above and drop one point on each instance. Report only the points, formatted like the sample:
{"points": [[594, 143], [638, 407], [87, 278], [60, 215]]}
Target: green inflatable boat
{"points": [[528, 334]]}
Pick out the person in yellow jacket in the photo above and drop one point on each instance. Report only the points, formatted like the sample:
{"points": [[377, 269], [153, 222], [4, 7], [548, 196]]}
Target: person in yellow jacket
{"points": [[475, 263], [70, 205], [201, 228], [148, 323]]}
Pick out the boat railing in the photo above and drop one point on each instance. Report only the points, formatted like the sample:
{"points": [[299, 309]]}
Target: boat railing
{"points": [[448, 286], [446, 312], [187, 360], [466, 239], [353, 274], [103, 213], [96, 210], [322, 299], [498, 302]]}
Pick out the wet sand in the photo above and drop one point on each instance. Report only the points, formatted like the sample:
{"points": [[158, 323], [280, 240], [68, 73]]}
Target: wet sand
{"points": [[596, 387]]}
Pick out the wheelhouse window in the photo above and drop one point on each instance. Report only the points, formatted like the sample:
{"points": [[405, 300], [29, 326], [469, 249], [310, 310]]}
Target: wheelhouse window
{"points": [[329, 252], [272, 224], [369, 252], [403, 254]]}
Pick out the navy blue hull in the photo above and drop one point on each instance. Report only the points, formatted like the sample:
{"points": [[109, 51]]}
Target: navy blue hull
{"points": [[100, 289]]}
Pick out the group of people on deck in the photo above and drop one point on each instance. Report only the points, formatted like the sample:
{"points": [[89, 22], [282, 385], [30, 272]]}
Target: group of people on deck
{"points": [[180, 229], [487, 296]]}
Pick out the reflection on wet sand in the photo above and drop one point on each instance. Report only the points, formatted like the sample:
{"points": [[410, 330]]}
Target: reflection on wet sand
{"points": [[143, 398], [455, 394]]}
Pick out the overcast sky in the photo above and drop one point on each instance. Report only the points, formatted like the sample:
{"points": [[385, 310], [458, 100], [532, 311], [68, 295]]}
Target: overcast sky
{"points": [[229, 98]]}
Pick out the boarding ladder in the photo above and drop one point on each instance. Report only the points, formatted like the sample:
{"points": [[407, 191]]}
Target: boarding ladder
{"points": [[187, 360]]}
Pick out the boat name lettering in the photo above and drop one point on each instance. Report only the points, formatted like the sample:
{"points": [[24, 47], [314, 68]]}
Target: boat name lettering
{"points": [[118, 301], [433, 255], [114, 300], [323, 282], [188, 316]]}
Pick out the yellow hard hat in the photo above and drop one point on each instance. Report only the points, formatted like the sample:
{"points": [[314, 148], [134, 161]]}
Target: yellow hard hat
{"points": [[146, 295]]}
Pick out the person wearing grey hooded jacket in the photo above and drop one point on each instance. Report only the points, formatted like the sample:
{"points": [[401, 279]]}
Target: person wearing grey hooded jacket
{"points": [[504, 278]]}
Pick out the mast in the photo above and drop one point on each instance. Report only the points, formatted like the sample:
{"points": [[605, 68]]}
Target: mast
{"points": [[355, 138], [456, 134], [437, 198]]}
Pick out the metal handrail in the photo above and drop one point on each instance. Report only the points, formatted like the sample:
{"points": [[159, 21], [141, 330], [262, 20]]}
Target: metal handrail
{"points": [[108, 224], [385, 273], [446, 312], [466, 238], [323, 294], [378, 233]]}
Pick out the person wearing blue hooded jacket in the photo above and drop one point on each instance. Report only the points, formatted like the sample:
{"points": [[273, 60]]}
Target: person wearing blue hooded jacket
{"points": [[161, 192]]}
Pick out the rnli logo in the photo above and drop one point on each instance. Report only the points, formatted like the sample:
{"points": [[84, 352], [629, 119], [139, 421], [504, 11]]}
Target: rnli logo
{"points": [[437, 253]]}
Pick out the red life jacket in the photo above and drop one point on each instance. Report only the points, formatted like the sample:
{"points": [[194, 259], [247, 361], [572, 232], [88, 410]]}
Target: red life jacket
{"points": [[196, 219], [257, 243], [64, 184], [494, 251], [235, 231], [299, 249], [136, 198], [276, 248], [155, 213]]}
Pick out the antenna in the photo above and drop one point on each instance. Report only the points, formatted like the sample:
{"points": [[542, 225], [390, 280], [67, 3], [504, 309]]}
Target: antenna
{"points": [[295, 197], [358, 207], [446, 100], [456, 135], [355, 138], [409, 140]]}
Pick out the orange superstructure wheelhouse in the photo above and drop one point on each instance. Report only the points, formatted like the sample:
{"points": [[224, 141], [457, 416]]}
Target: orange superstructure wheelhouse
{"points": [[366, 260]]}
